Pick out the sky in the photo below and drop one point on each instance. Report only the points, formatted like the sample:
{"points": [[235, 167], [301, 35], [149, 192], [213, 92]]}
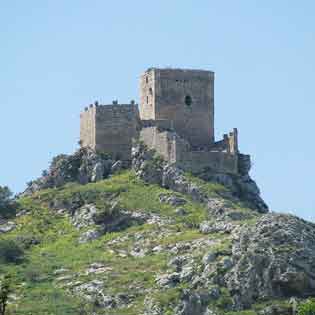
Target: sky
{"points": [[58, 56]]}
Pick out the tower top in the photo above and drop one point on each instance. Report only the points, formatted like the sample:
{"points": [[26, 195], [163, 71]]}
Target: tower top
{"points": [[183, 96]]}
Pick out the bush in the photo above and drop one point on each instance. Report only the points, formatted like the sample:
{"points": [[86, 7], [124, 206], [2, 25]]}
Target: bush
{"points": [[33, 273], [307, 308], [6, 203], [10, 252]]}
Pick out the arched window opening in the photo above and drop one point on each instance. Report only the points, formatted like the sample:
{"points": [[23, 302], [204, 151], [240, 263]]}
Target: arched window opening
{"points": [[188, 100]]}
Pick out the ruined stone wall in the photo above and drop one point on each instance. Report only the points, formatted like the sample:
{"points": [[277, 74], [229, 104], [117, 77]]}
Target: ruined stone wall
{"points": [[163, 143], [228, 144], [196, 161], [147, 96], [110, 129], [115, 127], [87, 127], [185, 97], [178, 151], [162, 124]]}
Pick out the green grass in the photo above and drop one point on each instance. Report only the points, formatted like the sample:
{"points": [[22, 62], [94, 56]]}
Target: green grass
{"points": [[34, 280]]}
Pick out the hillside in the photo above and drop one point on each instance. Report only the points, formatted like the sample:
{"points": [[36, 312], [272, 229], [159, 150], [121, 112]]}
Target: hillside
{"points": [[138, 243]]}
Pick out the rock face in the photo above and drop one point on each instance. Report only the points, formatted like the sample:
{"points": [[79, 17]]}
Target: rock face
{"points": [[153, 170], [273, 259], [84, 166], [183, 250]]}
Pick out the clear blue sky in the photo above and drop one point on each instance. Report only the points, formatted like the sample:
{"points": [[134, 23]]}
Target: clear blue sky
{"points": [[58, 56]]}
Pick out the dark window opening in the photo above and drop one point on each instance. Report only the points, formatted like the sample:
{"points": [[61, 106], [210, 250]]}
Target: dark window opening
{"points": [[150, 91], [147, 99], [146, 80], [188, 100]]}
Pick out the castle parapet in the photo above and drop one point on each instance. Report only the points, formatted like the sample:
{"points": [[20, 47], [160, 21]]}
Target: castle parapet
{"points": [[110, 128]]}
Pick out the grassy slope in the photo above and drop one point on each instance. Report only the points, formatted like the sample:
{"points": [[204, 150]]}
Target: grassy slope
{"points": [[36, 288]]}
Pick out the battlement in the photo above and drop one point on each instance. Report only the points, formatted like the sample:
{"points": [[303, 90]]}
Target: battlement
{"points": [[115, 106], [185, 97], [110, 128], [175, 118]]}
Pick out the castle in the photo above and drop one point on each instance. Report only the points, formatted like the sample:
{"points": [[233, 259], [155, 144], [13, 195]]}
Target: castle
{"points": [[175, 118]]}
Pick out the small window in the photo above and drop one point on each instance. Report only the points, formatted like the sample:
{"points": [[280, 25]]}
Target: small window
{"points": [[146, 80], [147, 99], [188, 100], [150, 91]]}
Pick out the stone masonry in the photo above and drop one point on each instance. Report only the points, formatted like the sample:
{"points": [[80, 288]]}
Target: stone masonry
{"points": [[175, 118], [110, 129]]}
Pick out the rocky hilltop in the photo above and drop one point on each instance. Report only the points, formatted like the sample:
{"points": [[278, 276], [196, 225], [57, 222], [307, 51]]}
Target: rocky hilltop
{"points": [[95, 236]]}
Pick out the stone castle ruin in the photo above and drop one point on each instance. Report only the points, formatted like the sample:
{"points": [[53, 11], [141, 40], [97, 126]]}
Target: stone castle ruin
{"points": [[175, 118]]}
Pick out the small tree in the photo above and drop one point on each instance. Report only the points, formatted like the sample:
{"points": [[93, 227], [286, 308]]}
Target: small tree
{"points": [[5, 290], [5, 196], [7, 206], [10, 252], [307, 308]]}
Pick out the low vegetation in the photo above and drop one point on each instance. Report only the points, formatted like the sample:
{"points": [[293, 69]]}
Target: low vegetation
{"points": [[48, 263]]}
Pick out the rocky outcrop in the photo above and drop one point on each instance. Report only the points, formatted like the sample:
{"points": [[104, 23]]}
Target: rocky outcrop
{"points": [[273, 259], [153, 170], [84, 166]]}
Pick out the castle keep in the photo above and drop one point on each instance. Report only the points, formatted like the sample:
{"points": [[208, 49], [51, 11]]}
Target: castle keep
{"points": [[175, 118]]}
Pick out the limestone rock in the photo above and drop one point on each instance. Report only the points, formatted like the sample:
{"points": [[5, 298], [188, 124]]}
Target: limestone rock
{"points": [[116, 167], [193, 303], [7, 226], [168, 280], [89, 235], [172, 200], [83, 166], [275, 258], [84, 216]]}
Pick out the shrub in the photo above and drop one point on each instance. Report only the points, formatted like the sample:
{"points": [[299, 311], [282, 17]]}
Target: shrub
{"points": [[6, 203], [33, 273], [307, 308], [5, 290], [10, 252]]}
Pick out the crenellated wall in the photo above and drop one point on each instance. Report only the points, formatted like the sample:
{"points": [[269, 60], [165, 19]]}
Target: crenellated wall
{"points": [[176, 119], [178, 151], [110, 128], [185, 97]]}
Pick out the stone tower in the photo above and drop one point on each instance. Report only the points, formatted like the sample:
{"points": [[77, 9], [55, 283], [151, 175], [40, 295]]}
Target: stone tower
{"points": [[184, 97], [110, 128]]}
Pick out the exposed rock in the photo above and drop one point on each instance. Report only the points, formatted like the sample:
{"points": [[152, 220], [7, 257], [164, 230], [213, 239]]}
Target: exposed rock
{"points": [[172, 200], [181, 211], [168, 280], [109, 219], [84, 166], [22, 213], [91, 290], [7, 226], [158, 172], [116, 167], [89, 235], [209, 257], [193, 303], [207, 227], [60, 271], [84, 216], [154, 171], [97, 172], [97, 268], [277, 310], [151, 307], [275, 258]]}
